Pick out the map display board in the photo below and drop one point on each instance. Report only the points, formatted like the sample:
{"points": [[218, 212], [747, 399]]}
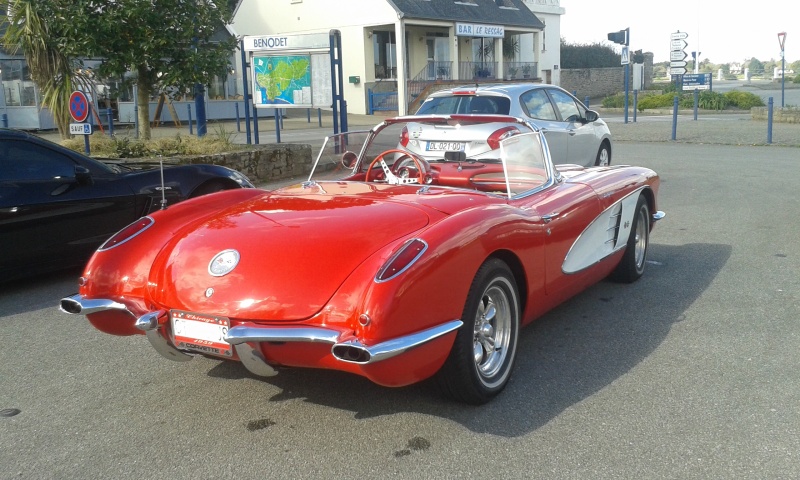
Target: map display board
{"points": [[282, 81]]}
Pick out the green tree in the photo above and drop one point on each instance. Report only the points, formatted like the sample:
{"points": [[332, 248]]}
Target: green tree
{"points": [[755, 66], [53, 71], [595, 55], [163, 43]]}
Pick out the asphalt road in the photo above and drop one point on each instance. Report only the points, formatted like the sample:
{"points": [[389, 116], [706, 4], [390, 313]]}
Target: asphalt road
{"points": [[690, 373]]}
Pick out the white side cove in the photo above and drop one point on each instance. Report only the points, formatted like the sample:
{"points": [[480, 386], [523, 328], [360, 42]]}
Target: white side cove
{"points": [[608, 233]]}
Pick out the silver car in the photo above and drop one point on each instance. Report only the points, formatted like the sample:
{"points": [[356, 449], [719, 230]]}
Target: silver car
{"points": [[574, 133]]}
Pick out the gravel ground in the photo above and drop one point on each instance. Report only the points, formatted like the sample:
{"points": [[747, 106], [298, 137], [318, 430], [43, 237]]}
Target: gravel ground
{"points": [[735, 129]]}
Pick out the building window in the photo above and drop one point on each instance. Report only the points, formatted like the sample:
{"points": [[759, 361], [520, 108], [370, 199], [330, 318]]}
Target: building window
{"points": [[544, 36], [385, 47], [18, 89]]}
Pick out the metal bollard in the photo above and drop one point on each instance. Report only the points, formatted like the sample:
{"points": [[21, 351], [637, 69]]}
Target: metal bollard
{"points": [[769, 120], [189, 108], [586, 101], [695, 103], [277, 126], [110, 115], [238, 125], [635, 104], [255, 126], [675, 118], [5, 121]]}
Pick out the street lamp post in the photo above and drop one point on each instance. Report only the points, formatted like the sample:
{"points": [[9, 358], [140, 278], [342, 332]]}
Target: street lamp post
{"points": [[782, 41]]}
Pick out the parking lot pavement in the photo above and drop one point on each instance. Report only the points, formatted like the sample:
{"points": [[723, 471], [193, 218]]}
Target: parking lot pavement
{"points": [[689, 373]]}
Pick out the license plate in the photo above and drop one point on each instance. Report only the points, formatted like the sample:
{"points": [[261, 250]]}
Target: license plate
{"points": [[445, 147], [201, 333]]}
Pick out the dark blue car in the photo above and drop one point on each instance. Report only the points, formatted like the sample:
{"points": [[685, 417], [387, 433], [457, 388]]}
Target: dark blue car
{"points": [[57, 206]]}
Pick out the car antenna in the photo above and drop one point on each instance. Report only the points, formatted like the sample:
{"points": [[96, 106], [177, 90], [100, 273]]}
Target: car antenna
{"points": [[163, 189]]}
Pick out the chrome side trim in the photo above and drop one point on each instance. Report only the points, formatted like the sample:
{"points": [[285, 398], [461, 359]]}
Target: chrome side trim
{"points": [[397, 346], [78, 305]]}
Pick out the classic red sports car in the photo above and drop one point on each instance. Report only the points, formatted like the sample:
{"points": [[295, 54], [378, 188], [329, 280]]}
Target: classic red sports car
{"points": [[382, 264]]}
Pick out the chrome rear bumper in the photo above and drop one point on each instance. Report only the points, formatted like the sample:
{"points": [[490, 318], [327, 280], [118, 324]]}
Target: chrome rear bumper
{"points": [[344, 347]]}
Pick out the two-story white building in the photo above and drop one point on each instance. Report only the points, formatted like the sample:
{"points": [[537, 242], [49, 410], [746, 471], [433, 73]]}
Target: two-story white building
{"points": [[404, 45]]}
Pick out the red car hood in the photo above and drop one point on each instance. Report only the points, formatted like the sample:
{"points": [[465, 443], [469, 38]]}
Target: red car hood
{"points": [[295, 251]]}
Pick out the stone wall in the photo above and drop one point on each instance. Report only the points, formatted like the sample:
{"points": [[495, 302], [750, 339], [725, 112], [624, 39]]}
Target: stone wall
{"points": [[262, 163], [602, 82], [594, 82], [779, 115]]}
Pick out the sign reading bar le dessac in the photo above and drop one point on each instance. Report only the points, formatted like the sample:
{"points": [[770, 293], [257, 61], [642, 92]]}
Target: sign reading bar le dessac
{"points": [[477, 30]]}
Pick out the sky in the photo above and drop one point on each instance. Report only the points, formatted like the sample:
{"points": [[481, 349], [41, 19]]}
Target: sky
{"points": [[722, 31]]}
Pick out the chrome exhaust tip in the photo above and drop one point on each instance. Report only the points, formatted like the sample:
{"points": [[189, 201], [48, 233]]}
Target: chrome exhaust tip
{"points": [[351, 353]]}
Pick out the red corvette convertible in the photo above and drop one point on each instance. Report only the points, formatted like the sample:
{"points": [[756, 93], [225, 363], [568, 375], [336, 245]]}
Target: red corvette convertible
{"points": [[382, 264]]}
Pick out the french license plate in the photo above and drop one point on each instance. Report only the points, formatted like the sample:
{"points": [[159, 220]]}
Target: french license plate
{"points": [[445, 146], [201, 333]]}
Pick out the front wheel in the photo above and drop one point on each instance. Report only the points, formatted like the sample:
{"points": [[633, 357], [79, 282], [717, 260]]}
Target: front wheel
{"points": [[483, 353], [631, 267]]}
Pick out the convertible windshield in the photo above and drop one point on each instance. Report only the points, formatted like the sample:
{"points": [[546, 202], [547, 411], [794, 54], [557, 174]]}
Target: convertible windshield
{"points": [[493, 154]]}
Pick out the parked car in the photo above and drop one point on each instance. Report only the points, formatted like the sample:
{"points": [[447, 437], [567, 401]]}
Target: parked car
{"points": [[57, 205], [383, 264], [574, 133]]}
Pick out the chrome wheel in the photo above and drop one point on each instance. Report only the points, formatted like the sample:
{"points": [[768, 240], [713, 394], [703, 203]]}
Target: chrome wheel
{"points": [[492, 331], [640, 239], [483, 352], [633, 262]]}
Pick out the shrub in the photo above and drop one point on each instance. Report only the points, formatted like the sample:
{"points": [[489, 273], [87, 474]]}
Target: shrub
{"points": [[656, 101], [709, 100], [614, 101], [220, 141], [796, 79], [743, 100]]}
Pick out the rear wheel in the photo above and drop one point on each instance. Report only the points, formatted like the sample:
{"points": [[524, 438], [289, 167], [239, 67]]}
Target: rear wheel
{"points": [[483, 353], [633, 262], [603, 156]]}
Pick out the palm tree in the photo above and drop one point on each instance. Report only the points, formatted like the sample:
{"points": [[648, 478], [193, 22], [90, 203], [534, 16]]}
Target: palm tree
{"points": [[51, 70]]}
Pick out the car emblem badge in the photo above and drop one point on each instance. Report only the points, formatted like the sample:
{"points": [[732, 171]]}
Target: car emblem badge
{"points": [[209, 292], [223, 263]]}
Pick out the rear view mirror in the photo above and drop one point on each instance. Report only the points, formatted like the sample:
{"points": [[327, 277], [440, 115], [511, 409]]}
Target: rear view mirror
{"points": [[591, 116], [83, 175], [349, 159]]}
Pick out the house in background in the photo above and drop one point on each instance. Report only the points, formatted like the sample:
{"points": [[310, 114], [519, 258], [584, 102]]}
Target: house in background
{"points": [[404, 46]]}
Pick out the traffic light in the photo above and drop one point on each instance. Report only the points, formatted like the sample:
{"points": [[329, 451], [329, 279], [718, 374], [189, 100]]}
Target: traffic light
{"points": [[620, 37]]}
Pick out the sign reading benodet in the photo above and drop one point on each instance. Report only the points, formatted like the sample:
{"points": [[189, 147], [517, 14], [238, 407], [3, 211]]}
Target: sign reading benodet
{"points": [[284, 42]]}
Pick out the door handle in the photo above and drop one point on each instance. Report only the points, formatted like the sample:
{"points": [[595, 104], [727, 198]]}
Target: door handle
{"points": [[548, 218]]}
